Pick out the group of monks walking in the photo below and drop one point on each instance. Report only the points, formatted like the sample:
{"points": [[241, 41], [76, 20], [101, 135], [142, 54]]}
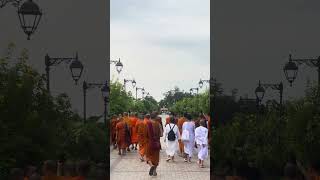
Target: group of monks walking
{"points": [[130, 132]]}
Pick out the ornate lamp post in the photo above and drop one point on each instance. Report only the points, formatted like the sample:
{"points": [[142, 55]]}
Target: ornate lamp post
{"points": [[202, 81], [291, 70], [129, 80], [15, 3], [260, 91], [76, 67], [105, 94], [192, 89], [118, 64], [86, 86], [142, 90], [29, 16]]}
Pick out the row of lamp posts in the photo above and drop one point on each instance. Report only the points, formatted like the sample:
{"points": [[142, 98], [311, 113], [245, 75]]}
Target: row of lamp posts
{"points": [[76, 69], [290, 70]]}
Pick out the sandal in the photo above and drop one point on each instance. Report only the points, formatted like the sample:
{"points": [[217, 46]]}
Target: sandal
{"points": [[151, 171], [168, 159], [201, 166], [185, 160]]}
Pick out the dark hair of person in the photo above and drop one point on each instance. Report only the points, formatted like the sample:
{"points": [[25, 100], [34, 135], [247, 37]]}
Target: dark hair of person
{"points": [[172, 120], [203, 123], [188, 116], [153, 115], [147, 116]]}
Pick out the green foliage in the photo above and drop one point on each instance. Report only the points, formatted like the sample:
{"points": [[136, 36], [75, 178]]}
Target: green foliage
{"points": [[121, 101], [267, 141], [36, 126], [194, 104]]}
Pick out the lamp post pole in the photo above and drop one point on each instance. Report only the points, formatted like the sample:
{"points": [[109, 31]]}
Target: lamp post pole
{"points": [[129, 80], [85, 87], [118, 64], [137, 88], [260, 90], [49, 61]]}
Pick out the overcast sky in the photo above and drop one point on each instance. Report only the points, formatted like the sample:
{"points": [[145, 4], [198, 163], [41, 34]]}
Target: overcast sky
{"points": [[162, 44], [254, 38]]}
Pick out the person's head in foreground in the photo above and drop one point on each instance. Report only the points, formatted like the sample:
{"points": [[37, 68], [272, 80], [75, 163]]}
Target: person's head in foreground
{"points": [[203, 123], [125, 114], [30, 170], [50, 168], [188, 117], [153, 116], [16, 174], [172, 120], [147, 116]]}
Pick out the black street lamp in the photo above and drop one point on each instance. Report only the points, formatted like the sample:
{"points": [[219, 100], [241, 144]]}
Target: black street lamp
{"points": [[118, 64], [202, 81], [133, 82], [260, 91], [76, 67], [29, 16], [142, 90], [86, 86], [192, 89], [105, 94], [15, 3], [291, 67]]}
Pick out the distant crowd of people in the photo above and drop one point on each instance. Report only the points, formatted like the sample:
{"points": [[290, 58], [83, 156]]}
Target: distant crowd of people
{"points": [[56, 170], [142, 132]]}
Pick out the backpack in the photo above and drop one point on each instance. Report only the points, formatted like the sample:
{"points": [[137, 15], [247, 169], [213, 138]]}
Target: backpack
{"points": [[171, 134]]}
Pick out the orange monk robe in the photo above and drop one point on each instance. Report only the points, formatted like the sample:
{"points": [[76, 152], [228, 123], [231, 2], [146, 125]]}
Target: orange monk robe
{"points": [[114, 122], [151, 154], [141, 130], [134, 135], [121, 135], [180, 123]]}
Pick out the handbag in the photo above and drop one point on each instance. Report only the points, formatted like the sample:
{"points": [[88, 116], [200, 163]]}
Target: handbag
{"points": [[185, 135]]}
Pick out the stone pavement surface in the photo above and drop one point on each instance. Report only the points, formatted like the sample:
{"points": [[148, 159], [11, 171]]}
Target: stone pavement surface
{"points": [[129, 167]]}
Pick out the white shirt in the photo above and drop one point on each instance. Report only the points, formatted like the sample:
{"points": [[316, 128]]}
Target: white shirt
{"points": [[201, 135], [175, 130]]}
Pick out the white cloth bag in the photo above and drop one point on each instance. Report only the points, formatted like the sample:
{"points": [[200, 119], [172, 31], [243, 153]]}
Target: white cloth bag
{"points": [[185, 135]]}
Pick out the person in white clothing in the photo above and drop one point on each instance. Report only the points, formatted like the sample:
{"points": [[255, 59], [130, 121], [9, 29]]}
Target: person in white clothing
{"points": [[201, 137], [171, 136], [188, 128]]}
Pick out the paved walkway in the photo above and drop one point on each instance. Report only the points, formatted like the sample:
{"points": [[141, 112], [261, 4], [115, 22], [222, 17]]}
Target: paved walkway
{"points": [[129, 167]]}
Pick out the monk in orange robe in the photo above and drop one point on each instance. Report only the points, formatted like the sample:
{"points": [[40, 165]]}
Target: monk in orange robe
{"points": [[153, 147], [128, 122], [134, 135], [141, 129], [181, 120], [121, 136], [114, 122]]}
